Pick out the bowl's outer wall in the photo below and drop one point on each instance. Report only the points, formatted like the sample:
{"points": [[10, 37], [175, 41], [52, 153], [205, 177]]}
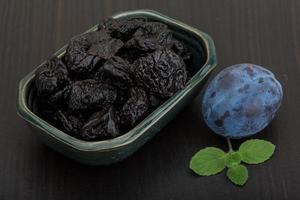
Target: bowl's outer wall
{"points": [[119, 153]]}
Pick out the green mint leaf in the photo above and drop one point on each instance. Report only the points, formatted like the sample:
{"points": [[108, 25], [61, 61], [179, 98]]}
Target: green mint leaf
{"points": [[208, 161], [256, 151], [238, 174], [233, 159]]}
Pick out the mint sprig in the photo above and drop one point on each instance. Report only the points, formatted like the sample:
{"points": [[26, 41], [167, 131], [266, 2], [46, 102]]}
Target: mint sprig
{"points": [[256, 151], [208, 161], [238, 174], [212, 160], [233, 158]]}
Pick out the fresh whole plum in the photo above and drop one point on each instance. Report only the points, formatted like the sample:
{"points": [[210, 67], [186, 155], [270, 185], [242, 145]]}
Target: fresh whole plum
{"points": [[241, 100]]}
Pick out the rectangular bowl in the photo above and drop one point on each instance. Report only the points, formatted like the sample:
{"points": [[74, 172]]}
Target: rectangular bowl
{"points": [[116, 149]]}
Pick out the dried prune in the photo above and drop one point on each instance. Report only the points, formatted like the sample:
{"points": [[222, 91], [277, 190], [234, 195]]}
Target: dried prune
{"points": [[135, 108], [110, 79], [151, 28], [58, 99], [105, 49], [41, 108], [118, 70], [122, 28], [69, 122], [90, 94], [77, 57], [122, 98], [162, 73], [50, 77], [150, 36], [130, 54], [95, 37], [100, 126], [180, 49], [154, 101]]}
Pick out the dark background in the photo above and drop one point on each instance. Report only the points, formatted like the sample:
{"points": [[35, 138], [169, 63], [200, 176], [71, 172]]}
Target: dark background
{"points": [[265, 32]]}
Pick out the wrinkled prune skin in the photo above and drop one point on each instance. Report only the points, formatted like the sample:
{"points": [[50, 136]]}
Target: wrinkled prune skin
{"points": [[130, 54], [41, 108], [122, 97], [79, 60], [150, 36], [106, 49], [154, 101], [123, 28], [162, 73], [135, 108], [241, 100], [70, 123], [57, 100], [96, 37], [118, 70], [109, 80], [90, 94], [50, 77], [100, 126], [180, 49]]}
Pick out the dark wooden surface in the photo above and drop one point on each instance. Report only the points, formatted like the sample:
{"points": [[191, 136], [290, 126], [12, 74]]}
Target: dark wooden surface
{"points": [[265, 32]]}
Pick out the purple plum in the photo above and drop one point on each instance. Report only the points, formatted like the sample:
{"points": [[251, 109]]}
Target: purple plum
{"points": [[241, 100]]}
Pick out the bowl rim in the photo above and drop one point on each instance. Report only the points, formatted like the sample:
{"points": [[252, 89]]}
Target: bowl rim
{"points": [[142, 127]]}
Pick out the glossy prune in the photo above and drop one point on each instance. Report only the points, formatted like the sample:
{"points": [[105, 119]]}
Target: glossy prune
{"points": [[150, 36], [69, 122], [135, 108], [90, 94], [180, 49], [162, 73], [105, 49], [118, 70], [154, 101], [96, 37], [100, 126], [50, 77], [122, 28], [58, 99], [131, 54], [79, 60], [122, 97]]}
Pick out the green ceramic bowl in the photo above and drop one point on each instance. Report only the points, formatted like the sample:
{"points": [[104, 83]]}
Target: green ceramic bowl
{"points": [[117, 149]]}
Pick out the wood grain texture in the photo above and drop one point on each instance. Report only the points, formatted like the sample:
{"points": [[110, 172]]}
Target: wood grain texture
{"points": [[263, 32]]}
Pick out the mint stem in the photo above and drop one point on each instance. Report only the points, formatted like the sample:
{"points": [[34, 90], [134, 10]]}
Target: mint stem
{"points": [[229, 145]]}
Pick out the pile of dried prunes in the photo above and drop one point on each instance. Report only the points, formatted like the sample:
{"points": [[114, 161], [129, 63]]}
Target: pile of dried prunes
{"points": [[111, 79]]}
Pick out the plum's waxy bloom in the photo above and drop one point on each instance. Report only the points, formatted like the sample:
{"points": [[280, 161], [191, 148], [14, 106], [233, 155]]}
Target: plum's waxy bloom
{"points": [[241, 100]]}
